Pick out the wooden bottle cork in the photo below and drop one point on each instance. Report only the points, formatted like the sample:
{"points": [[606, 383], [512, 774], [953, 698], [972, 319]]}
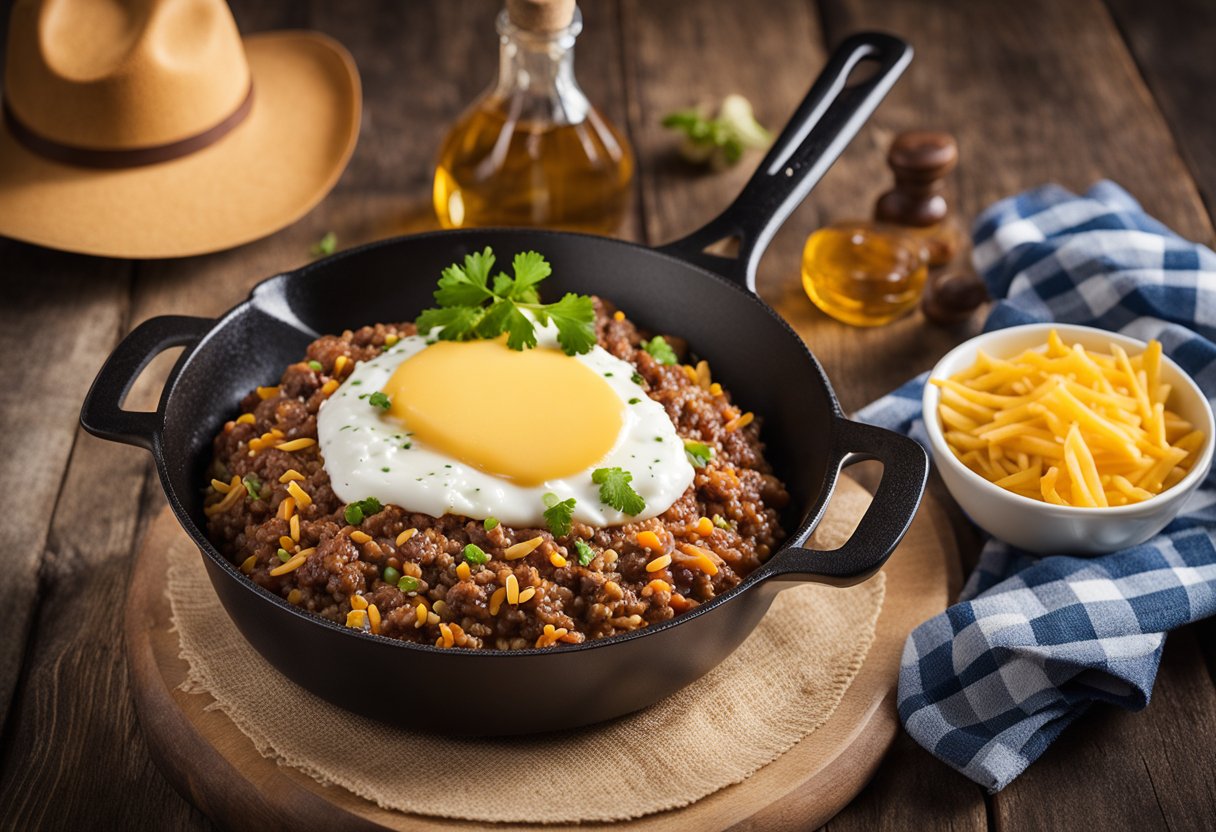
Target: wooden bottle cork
{"points": [[541, 15]]}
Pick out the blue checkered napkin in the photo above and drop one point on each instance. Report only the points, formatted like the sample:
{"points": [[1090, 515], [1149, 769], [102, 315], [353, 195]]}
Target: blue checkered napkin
{"points": [[990, 683]]}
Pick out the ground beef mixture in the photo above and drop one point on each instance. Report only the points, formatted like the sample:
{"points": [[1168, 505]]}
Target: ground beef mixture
{"points": [[722, 528]]}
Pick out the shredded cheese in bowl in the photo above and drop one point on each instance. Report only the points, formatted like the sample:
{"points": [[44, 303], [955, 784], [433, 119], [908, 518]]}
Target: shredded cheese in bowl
{"points": [[1069, 426]]}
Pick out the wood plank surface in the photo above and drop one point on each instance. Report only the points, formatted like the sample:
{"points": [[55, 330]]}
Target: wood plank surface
{"points": [[1173, 49], [59, 328], [1035, 91]]}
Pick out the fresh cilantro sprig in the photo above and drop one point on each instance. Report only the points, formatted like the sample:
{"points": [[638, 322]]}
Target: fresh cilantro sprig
{"points": [[585, 553], [660, 350], [559, 516], [471, 306], [698, 453], [718, 141], [616, 491]]}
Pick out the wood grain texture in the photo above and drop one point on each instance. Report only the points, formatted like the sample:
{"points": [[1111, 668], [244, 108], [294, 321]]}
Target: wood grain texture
{"points": [[1173, 47], [212, 761], [1035, 91], [56, 330]]}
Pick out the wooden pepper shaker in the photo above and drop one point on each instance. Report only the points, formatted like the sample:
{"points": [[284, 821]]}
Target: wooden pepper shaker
{"points": [[920, 160]]}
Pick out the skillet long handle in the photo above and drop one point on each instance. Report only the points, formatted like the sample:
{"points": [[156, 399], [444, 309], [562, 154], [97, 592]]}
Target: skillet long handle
{"points": [[904, 472], [102, 413], [824, 123]]}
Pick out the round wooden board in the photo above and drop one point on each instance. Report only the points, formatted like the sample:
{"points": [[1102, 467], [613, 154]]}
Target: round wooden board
{"points": [[215, 766]]}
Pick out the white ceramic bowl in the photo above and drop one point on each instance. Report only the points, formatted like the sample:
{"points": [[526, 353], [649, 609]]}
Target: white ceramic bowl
{"points": [[1039, 526]]}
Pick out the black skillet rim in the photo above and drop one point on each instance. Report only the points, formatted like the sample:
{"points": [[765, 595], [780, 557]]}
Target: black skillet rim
{"points": [[203, 543]]}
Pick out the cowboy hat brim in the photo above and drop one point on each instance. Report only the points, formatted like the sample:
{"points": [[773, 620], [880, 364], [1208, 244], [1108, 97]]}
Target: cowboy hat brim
{"points": [[266, 173]]}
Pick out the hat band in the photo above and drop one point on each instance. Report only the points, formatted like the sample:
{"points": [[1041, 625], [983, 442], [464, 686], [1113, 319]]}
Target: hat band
{"points": [[90, 157]]}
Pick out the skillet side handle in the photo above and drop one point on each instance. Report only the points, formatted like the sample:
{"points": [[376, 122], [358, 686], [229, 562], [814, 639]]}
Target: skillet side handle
{"points": [[102, 414], [822, 126], [905, 470]]}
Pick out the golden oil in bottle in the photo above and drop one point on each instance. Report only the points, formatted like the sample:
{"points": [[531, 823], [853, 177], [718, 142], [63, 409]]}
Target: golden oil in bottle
{"points": [[533, 151], [569, 176], [862, 273]]}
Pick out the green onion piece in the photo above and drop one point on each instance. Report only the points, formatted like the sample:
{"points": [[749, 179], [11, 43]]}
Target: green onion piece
{"points": [[474, 554], [721, 522], [698, 453], [315, 366], [284, 555], [660, 350], [408, 583], [490, 523], [325, 246], [637, 378], [391, 575], [253, 485], [355, 512]]}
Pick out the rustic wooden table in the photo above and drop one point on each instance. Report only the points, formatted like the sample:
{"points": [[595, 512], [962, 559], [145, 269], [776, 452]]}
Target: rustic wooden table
{"points": [[1035, 91]]}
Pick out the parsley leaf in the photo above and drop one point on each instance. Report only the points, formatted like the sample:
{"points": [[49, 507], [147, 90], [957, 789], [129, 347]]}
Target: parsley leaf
{"points": [[585, 553], [379, 400], [698, 453], [474, 554], [355, 512], [574, 317], [457, 322], [466, 286], [530, 268], [559, 516], [521, 334], [660, 350], [616, 491], [472, 306]]}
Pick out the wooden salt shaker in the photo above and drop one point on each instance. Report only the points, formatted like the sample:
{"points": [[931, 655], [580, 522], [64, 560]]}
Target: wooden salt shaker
{"points": [[920, 160]]}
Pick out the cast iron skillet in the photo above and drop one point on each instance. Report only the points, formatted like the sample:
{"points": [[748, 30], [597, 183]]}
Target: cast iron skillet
{"points": [[676, 289]]}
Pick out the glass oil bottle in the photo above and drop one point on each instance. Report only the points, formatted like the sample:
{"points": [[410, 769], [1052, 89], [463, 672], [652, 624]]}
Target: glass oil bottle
{"points": [[533, 151]]}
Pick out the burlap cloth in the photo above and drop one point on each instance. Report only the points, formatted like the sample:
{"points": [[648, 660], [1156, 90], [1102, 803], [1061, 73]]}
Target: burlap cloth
{"points": [[779, 686]]}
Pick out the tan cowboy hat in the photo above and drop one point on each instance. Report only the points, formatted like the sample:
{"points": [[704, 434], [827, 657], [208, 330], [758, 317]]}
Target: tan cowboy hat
{"points": [[149, 128]]}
